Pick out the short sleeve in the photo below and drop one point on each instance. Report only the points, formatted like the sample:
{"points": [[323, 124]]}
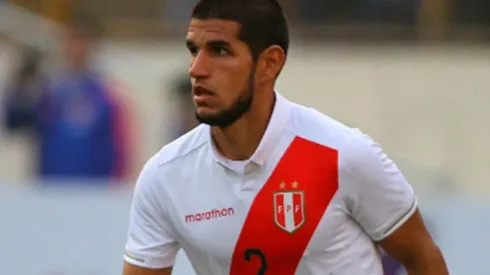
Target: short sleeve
{"points": [[378, 196], [149, 243]]}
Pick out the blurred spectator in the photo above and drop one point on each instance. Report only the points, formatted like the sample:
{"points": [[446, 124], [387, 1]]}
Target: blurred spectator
{"points": [[24, 90], [185, 119], [77, 118]]}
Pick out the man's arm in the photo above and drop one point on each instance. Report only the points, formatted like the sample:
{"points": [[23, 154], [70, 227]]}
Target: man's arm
{"points": [[384, 204], [412, 245], [130, 269], [151, 248]]}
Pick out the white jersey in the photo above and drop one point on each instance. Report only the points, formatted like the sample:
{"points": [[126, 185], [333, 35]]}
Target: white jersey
{"points": [[312, 200]]}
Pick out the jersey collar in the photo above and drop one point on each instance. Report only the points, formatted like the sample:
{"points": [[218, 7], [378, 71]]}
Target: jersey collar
{"points": [[274, 131]]}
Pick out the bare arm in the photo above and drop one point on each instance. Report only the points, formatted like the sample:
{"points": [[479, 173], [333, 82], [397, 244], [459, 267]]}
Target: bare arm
{"points": [[130, 269], [413, 247]]}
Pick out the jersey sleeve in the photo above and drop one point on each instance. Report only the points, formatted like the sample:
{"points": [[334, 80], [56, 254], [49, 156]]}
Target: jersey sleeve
{"points": [[149, 243], [378, 196]]}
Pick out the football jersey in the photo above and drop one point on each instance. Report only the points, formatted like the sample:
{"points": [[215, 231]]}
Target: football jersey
{"points": [[313, 199]]}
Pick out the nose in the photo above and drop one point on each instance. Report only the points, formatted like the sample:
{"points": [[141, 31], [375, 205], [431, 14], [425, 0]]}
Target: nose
{"points": [[199, 67]]}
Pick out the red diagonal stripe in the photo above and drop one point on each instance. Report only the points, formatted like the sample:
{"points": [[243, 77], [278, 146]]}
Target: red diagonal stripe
{"points": [[315, 168]]}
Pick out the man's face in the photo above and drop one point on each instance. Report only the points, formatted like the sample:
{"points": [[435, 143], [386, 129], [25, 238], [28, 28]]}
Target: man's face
{"points": [[77, 49], [221, 71]]}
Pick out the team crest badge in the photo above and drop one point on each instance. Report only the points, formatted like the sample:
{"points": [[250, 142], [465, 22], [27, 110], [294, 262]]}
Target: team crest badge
{"points": [[289, 210]]}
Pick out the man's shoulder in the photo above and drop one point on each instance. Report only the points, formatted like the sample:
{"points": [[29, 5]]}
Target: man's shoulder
{"points": [[315, 126], [351, 143], [183, 146], [169, 160]]}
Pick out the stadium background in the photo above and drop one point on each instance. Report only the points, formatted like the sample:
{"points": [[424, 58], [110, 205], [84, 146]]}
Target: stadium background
{"points": [[412, 74]]}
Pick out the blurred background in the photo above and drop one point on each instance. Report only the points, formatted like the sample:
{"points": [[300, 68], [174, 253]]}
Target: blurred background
{"points": [[89, 90]]}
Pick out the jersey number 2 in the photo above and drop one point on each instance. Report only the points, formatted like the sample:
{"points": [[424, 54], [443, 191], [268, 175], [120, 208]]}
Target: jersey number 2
{"points": [[257, 252]]}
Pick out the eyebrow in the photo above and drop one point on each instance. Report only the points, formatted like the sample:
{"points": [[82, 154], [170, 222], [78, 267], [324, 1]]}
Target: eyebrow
{"points": [[218, 43], [212, 43]]}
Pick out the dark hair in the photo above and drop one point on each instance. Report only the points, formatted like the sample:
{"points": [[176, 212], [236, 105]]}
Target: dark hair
{"points": [[86, 24], [262, 22]]}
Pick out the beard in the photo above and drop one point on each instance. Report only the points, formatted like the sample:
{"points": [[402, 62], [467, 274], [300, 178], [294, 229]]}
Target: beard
{"points": [[225, 118]]}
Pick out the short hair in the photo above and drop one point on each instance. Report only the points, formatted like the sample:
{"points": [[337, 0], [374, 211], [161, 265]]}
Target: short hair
{"points": [[85, 24], [262, 22]]}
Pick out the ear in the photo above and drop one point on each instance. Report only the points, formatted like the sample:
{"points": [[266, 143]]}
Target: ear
{"points": [[270, 63]]}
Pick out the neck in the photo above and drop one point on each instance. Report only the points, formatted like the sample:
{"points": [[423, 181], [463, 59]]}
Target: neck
{"points": [[240, 140]]}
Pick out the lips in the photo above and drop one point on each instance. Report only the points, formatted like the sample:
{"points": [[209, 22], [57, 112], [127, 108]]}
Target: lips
{"points": [[200, 90], [201, 95]]}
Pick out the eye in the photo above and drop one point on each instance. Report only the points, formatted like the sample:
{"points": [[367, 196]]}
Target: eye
{"points": [[193, 50], [221, 51]]}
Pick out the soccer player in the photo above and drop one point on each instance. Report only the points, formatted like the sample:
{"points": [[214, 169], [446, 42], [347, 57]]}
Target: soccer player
{"points": [[266, 186]]}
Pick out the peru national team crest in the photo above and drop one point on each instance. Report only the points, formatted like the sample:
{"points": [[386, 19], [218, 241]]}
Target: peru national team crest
{"points": [[289, 212]]}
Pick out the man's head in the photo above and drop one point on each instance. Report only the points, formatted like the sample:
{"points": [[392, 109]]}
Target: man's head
{"points": [[83, 31], [236, 46]]}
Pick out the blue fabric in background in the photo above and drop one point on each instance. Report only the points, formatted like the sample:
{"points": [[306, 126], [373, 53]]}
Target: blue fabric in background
{"points": [[75, 125]]}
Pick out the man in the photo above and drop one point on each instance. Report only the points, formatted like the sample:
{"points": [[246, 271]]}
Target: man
{"points": [[266, 186], [77, 118]]}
